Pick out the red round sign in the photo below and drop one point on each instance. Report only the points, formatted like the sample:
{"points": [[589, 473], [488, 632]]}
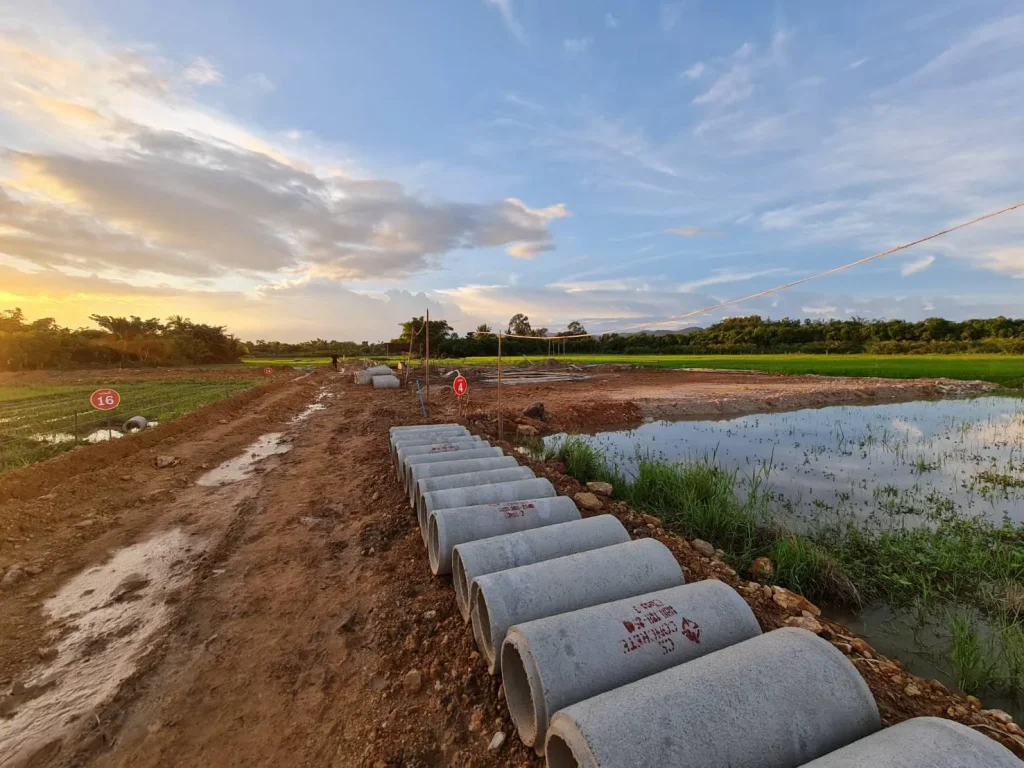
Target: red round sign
{"points": [[268, 371], [105, 399], [460, 385]]}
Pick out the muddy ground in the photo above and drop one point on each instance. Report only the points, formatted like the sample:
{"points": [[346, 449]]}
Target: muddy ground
{"points": [[290, 618]]}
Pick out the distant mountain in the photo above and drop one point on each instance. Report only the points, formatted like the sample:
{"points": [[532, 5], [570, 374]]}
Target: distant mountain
{"points": [[680, 332]]}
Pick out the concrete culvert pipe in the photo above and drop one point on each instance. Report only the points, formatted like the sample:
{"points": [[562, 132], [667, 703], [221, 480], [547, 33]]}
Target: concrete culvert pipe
{"points": [[775, 701], [467, 480], [511, 550], [366, 376], [135, 424], [484, 451], [411, 428], [385, 382], [551, 663], [429, 438], [424, 471], [516, 490], [447, 528], [499, 600], [459, 443], [924, 742]]}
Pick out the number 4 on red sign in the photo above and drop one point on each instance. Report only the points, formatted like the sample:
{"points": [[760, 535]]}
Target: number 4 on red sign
{"points": [[460, 385]]}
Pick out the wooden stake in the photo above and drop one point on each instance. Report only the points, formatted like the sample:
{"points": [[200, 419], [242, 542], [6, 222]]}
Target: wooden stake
{"points": [[426, 365], [501, 421]]}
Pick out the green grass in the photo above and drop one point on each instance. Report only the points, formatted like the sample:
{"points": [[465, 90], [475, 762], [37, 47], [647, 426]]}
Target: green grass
{"points": [[973, 658], [28, 412], [282, 361]]}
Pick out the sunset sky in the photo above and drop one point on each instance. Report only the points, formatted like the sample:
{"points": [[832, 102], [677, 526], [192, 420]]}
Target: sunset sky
{"points": [[304, 169]]}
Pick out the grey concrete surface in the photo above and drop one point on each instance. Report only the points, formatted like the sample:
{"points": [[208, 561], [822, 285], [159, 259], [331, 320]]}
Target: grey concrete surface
{"points": [[423, 471], [477, 558], [448, 528], [778, 700], [428, 438], [551, 663], [517, 490], [457, 443], [924, 742], [499, 600], [387, 381], [466, 480], [488, 452]]}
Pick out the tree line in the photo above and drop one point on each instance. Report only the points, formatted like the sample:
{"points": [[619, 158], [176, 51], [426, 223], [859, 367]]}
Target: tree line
{"points": [[117, 341]]}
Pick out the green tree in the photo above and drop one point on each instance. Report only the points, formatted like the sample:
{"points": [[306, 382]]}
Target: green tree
{"points": [[519, 325]]}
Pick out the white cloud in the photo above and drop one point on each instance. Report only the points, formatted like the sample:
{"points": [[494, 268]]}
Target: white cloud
{"points": [[819, 311], [203, 72], [695, 71], [742, 70], [610, 21], [519, 101], [528, 251], [858, 63], [724, 276], [260, 82], [669, 16], [509, 17], [917, 265], [1007, 261], [576, 46]]}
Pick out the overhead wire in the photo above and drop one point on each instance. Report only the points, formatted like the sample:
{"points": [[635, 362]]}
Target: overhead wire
{"points": [[784, 286]]}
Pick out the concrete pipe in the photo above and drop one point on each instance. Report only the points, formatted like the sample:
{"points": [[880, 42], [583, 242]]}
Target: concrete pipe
{"points": [[484, 451], [459, 443], [406, 430], [135, 424], [776, 701], [478, 558], [467, 480], [385, 382], [429, 438], [424, 471], [447, 528], [499, 600], [551, 663], [366, 376], [516, 490], [924, 742]]}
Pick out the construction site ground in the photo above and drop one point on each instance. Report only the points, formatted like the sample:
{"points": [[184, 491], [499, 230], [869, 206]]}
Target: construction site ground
{"points": [[291, 618]]}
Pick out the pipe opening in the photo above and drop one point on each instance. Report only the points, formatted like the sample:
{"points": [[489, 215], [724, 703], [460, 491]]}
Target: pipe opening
{"points": [[518, 693], [433, 548], [461, 586], [481, 623], [559, 754]]}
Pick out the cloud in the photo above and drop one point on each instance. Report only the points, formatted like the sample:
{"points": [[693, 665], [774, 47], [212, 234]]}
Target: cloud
{"points": [[724, 276], [260, 82], [669, 16], [202, 72], [519, 101], [917, 265], [693, 231], [576, 46], [1007, 261], [508, 16], [610, 21], [695, 71], [819, 311], [858, 63], [528, 250]]}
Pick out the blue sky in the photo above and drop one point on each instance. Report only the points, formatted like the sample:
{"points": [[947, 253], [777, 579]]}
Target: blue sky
{"points": [[326, 169]]}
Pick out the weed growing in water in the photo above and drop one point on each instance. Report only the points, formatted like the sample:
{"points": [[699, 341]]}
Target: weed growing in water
{"points": [[973, 659]]}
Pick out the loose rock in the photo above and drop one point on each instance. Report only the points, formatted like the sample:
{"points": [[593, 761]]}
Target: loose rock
{"points": [[496, 741], [535, 411], [476, 721], [793, 602], [527, 431], [413, 681], [804, 622], [912, 690], [587, 501], [13, 576], [762, 569], [599, 488], [164, 462], [652, 520], [703, 547], [998, 715]]}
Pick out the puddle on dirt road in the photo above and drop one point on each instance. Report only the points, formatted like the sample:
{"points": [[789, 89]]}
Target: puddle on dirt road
{"points": [[860, 464], [103, 621], [243, 465]]}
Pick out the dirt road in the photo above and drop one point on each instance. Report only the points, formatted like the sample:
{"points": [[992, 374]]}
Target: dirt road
{"points": [[288, 617]]}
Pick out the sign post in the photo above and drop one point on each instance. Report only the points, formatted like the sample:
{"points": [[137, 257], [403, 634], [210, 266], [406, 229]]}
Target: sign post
{"points": [[105, 399], [268, 371], [461, 388]]}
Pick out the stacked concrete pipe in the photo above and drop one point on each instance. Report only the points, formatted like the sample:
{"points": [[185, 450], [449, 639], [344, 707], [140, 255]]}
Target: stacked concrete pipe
{"points": [[552, 663], [456, 444], [447, 528], [467, 480], [484, 451], [425, 471], [923, 742], [500, 553], [366, 376], [517, 490], [776, 701], [427, 438], [387, 381], [500, 600]]}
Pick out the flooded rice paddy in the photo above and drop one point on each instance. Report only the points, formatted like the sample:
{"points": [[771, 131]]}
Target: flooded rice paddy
{"points": [[906, 463], [881, 469]]}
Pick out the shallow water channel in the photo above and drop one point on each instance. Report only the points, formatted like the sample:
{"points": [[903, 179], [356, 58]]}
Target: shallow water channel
{"points": [[880, 466]]}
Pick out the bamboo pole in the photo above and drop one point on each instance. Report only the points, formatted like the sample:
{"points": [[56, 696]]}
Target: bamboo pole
{"points": [[426, 364], [501, 420]]}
